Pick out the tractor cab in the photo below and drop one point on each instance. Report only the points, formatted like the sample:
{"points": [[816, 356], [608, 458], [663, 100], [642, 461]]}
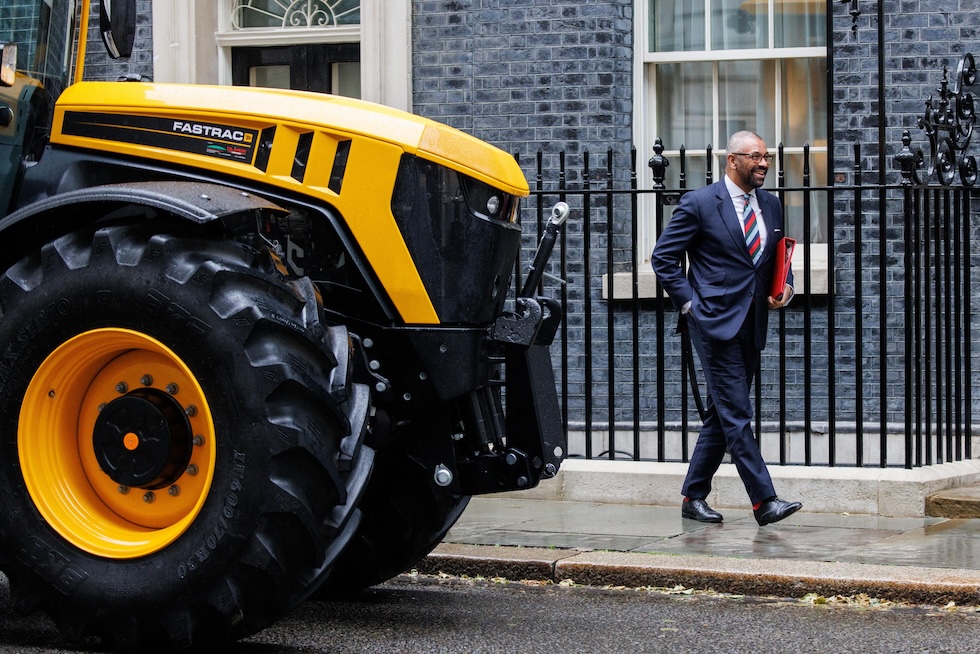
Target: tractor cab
{"points": [[40, 58]]}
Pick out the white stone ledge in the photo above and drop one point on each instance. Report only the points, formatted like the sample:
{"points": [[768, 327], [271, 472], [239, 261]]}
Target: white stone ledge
{"points": [[891, 492]]}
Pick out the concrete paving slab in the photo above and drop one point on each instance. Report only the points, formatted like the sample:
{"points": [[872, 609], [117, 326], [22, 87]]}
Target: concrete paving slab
{"points": [[950, 548], [921, 559], [791, 542]]}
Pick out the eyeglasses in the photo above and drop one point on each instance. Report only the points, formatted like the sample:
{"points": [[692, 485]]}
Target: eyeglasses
{"points": [[756, 157]]}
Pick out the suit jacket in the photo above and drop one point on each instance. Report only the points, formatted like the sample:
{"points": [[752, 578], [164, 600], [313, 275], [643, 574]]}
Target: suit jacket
{"points": [[721, 283]]}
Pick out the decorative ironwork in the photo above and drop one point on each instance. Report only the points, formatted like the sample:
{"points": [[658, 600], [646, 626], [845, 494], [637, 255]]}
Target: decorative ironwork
{"points": [[295, 13], [658, 164], [911, 161], [855, 12], [949, 127]]}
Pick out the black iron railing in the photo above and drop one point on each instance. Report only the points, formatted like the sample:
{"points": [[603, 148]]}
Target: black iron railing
{"points": [[870, 365]]}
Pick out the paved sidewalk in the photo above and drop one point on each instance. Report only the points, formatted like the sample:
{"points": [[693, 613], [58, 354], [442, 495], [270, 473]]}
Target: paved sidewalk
{"points": [[920, 560]]}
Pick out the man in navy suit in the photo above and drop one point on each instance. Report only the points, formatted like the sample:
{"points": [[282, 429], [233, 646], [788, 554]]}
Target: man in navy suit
{"points": [[728, 232]]}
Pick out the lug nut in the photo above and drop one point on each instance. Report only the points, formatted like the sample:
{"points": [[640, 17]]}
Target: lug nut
{"points": [[198, 440], [122, 387], [149, 497], [191, 411], [174, 490], [192, 469], [146, 380], [172, 389], [123, 490]]}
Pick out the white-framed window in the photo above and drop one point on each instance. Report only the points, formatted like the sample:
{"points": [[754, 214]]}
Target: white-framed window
{"points": [[714, 67], [198, 41]]}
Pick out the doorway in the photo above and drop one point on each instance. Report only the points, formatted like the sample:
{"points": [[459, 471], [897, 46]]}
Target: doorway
{"points": [[325, 68]]}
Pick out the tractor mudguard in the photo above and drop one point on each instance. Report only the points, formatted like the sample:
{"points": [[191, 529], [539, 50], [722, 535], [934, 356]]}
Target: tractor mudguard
{"points": [[197, 202]]}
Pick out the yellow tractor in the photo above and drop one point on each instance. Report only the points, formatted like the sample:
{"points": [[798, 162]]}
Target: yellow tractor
{"points": [[254, 344]]}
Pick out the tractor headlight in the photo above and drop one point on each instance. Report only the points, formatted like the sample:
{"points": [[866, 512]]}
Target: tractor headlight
{"points": [[486, 201]]}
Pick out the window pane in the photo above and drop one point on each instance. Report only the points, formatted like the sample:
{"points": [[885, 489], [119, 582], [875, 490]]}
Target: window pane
{"points": [[695, 170], [739, 24], [804, 101], [747, 99], [684, 104], [794, 201], [676, 25], [273, 77], [801, 23], [347, 79]]}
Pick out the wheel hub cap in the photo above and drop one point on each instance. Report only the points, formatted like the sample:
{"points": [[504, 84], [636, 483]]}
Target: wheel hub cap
{"points": [[143, 439]]}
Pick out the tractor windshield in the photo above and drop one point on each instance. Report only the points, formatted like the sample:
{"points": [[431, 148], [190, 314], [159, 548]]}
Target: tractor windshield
{"points": [[41, 30]]}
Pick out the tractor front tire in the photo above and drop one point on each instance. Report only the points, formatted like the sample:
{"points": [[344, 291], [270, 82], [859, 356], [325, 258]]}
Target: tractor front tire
{"points": [[181, 445]]}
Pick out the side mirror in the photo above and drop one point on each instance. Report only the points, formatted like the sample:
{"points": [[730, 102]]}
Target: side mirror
{"points": [[8, 64], [117, 24]]}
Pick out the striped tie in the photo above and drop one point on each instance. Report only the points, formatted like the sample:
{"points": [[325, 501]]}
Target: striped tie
{"points": [[752, 238]]}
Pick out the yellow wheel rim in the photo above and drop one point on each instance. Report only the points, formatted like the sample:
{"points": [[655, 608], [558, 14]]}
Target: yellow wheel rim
{"points": [[62, 460]]}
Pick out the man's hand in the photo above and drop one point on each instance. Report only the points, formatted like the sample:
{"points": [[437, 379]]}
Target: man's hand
{"points": [[783, 300]]}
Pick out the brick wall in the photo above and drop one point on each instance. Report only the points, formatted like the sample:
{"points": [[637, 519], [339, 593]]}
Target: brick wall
{"points": [[527, 74]]}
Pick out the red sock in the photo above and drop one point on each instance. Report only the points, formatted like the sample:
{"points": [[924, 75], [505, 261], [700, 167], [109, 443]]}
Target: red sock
{"points": [[755, 507]]}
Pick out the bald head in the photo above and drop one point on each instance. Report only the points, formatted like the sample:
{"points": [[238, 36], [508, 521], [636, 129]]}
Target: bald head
{"points": [[738, 141]]}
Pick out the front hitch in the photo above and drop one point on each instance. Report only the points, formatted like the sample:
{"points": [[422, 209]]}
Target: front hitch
{"points": [[534, 442]]}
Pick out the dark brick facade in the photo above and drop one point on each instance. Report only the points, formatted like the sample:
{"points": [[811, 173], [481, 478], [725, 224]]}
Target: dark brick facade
{"points": [[527, 74]]}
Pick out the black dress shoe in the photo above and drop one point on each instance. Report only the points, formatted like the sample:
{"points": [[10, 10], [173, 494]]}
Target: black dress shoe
{"points": [[699, 510], [774, 510]]}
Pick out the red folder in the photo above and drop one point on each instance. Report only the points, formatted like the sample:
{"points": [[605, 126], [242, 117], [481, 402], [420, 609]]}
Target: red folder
{"points": [[784, 257]]}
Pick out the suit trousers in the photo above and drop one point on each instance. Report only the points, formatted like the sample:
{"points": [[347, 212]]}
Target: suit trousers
{"points": [[729, 367]]}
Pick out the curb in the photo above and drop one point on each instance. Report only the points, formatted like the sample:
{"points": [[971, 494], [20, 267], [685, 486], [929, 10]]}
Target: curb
{"points": [[755, 577]]}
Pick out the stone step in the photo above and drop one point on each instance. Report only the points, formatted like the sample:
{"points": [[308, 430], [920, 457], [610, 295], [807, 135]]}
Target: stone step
{"points": [[955, 503]]}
